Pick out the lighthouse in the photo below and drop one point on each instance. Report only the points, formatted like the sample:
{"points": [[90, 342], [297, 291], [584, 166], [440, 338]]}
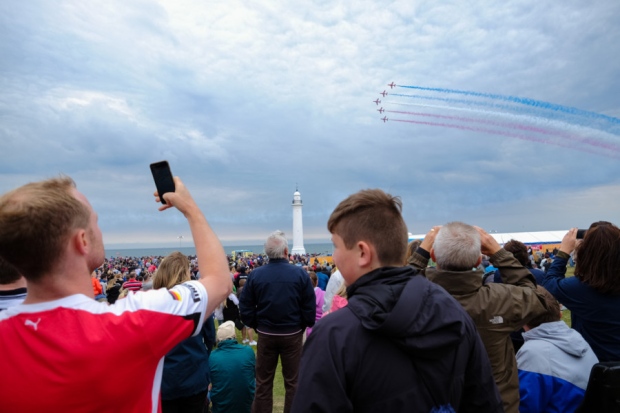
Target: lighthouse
{"points": [[298, 226]]}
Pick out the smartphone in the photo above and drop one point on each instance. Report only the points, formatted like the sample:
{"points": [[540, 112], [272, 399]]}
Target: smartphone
{"points": [[163, 178], [581, 233]]}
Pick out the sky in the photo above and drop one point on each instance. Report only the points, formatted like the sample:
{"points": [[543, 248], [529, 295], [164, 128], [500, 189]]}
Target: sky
{"points": [[512, 123]]}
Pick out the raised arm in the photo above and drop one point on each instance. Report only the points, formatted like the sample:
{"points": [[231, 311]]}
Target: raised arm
{"points": [[554, 279], [420, 257], [214, 273], [510, 268]]}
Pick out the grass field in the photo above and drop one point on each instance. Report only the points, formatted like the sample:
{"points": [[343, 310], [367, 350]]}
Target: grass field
{"points": [[570, 271], [278, 383]]}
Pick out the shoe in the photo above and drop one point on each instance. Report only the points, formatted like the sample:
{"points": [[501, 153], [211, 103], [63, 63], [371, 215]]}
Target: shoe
{"points": [[246, 341], [252, 343]]}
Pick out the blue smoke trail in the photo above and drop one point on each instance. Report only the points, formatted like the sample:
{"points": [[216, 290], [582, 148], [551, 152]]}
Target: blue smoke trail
{"points": [[470, 102], [503, 107], [523, 101]]}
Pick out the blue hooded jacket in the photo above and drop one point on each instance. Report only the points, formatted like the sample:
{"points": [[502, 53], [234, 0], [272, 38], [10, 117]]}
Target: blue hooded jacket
{"points": [[554, 368]]}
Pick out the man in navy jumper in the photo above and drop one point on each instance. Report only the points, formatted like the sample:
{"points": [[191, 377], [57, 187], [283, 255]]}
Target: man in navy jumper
{"points": [[278, 302]]}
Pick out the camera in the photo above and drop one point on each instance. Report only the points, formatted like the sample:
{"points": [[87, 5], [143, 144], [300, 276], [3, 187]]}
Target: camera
{"points": [[581, 233]]}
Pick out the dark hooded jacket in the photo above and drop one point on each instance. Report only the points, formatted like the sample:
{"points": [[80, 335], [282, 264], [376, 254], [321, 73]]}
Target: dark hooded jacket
{"points": [[402, 344]]}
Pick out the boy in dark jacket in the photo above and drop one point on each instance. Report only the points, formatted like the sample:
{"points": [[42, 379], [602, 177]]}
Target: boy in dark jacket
{"points": [[402, 344]]}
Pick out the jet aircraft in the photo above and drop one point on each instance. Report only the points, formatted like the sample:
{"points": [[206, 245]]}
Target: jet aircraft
{"points": [[391, 85], [377, 101], [384, 119], [383, 93], [381, 110]]}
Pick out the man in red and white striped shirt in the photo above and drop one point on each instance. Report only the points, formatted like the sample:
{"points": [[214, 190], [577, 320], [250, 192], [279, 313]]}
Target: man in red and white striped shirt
{"points": [[132, 284], [49, 233]]}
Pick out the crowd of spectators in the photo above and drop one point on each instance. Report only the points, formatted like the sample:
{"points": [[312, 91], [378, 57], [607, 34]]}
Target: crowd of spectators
{"points": [[453, 322]]}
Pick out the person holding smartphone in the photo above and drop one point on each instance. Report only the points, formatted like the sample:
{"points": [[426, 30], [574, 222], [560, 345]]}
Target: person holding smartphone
{"points": [[593, 294], [49, 233]]}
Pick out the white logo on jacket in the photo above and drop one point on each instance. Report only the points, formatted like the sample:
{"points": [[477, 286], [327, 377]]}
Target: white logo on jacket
{"points": [[33, 324], [497, 320]]}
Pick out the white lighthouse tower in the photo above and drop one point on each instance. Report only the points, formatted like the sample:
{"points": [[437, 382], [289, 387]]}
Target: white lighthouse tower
{"points": [[298, 226]]}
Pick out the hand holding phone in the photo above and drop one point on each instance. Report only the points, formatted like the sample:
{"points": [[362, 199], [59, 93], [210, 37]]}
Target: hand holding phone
{"points": [[568, 241], [163, 179]]}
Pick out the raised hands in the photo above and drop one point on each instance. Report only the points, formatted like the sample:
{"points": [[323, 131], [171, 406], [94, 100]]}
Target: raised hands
{"points": [[181, 199], [488, 244]]}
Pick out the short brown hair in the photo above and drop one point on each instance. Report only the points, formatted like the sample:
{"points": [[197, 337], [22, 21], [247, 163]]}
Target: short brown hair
{"points": [[36, 221], [519, 250], [313, 278], [553, 309], [8, 273], [173, 270], [374, 216], [598, 258]]}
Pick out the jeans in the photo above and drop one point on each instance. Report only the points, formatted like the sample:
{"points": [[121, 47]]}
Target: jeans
{"points": [[288, 348]]}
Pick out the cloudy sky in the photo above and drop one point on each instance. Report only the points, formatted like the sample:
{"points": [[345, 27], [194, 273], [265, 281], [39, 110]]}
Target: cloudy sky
{"points": [[248, 100]]}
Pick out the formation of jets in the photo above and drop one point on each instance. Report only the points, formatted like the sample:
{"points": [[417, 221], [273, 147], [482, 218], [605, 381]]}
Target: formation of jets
{"points": [[384, 94]]}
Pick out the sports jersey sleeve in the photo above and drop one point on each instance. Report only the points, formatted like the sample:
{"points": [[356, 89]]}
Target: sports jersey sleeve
{"points": [[187, 301]]}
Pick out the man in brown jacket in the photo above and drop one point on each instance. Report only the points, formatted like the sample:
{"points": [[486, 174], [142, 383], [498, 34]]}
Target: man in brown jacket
{"points": [[497, 309]]}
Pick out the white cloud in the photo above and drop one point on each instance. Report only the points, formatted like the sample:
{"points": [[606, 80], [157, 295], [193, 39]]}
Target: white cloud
{"points": [[248, 99]]}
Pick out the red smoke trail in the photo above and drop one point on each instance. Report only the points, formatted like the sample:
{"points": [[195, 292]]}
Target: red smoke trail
{"points": [[519, 126], [499, 132]]}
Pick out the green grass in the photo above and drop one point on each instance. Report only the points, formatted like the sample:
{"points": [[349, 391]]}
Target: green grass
{"points": [[570, 271]]}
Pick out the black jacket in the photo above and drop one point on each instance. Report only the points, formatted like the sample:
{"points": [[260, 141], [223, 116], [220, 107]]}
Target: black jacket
{"points": [[402, 344], [278, 298]]}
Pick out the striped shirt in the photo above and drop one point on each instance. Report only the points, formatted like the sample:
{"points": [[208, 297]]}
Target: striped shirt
{"points": [[133, 285], [9, 298]]}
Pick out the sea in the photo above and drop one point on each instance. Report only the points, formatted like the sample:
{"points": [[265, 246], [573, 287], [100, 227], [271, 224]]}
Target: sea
{"points": [[316, 249]]}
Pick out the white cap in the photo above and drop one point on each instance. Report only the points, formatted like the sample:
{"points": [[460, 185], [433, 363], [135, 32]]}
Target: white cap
{"points": [[225, 331]]}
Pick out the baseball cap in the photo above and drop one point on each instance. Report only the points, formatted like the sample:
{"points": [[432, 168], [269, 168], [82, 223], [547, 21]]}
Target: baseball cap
{"points": [[226, 331]]}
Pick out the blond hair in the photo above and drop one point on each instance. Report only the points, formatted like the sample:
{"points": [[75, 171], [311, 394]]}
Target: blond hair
{"points": [[342, 291], [173, 270], [36, 220]]}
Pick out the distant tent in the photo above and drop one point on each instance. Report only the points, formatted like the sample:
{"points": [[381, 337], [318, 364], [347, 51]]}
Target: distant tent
{"points": [[532, 238], [538, 238]]}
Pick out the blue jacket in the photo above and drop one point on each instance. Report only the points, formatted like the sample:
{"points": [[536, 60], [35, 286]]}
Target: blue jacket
{"points": [[538, 274], [554, 368], [186, 366], [232, 377], [323, 279], [402, 344], [596, 316], [278, 298]]}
